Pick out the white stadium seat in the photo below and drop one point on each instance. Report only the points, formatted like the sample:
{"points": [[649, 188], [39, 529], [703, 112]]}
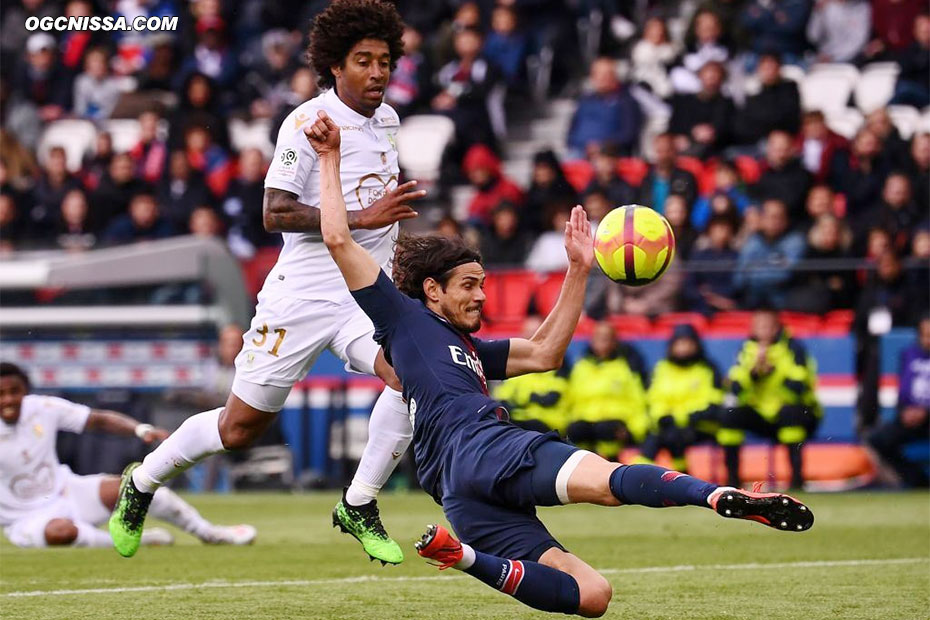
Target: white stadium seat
{"points": [[826, 89], [125, 133], [906, 118], [75, 135], [845, 121], [421, 140], [876, 86], [245, 135]]}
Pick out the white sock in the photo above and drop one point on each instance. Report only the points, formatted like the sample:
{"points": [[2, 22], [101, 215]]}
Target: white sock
{"points": [[90, 536], [468, 558], [195, 440], [167, 506], [389, 434]]}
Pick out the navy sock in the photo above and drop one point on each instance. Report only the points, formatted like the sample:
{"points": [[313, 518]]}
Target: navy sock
{"points": [[657, 487], [531, 583]]}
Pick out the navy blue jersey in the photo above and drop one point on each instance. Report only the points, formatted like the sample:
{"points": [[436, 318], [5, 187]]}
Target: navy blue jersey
{"points": [[444, 375]]}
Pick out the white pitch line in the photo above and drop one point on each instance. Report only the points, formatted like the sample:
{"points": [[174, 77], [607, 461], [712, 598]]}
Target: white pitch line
{"points": [[208, 585]]}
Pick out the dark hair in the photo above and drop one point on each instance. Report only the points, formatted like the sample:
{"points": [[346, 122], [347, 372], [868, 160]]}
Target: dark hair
{"points": [[342, 25], [722, 219], [8, 369], [417, 258]]}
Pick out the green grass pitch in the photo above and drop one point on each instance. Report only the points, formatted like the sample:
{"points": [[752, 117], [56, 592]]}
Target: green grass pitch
{"points": [[867, 557]]}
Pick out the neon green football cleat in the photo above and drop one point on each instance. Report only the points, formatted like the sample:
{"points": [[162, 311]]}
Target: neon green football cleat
{"points": [[364, 523], [126, 521]]}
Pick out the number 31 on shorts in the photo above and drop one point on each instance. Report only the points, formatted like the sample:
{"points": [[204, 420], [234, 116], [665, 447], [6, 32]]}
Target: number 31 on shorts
{"points": [[263, 337]]}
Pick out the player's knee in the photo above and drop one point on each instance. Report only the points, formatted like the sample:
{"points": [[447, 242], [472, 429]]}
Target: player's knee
{"points": [[596, 593], [237, 434], [60, 532]]}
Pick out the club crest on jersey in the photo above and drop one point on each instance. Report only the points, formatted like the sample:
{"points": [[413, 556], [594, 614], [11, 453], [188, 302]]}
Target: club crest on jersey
{"points": [[37, 430], [300, 119]]}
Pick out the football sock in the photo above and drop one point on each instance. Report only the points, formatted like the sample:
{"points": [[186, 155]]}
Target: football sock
{"points": [[531, 583], [167, 506], [657, 487], [90, 536], [195, 440], [389, 434]]}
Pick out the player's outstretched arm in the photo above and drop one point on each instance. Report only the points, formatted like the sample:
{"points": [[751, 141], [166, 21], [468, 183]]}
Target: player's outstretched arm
{"points": [[358, 268], [116, 423], [546, 349]]}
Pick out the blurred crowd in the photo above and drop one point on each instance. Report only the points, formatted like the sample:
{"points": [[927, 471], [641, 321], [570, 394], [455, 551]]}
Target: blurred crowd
{"points": [[770, 207]]}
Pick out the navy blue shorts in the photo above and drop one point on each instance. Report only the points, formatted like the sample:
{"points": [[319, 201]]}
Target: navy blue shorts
{"points": [[503, 522]]}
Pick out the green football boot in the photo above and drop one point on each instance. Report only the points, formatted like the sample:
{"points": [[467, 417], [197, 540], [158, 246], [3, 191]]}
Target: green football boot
{"points": [[364, 523], [129, 514]]}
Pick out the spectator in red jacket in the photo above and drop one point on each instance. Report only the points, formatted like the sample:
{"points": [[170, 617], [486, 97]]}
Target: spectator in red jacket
{"points": [[892, 26], [483, 169], [150, 152], [817, 144]]}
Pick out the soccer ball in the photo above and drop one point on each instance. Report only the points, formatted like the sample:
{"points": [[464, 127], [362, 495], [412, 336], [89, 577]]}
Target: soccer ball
{"points": [[634, 245]]}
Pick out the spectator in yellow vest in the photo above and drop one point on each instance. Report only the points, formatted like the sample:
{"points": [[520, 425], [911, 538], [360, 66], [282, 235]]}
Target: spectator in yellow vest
{"points": [[773, 382], [607, 387], [684, 398]]}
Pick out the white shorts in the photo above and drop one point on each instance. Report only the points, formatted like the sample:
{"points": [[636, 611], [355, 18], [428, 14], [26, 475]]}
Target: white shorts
{"points": [[78, 502], [286, 337]]}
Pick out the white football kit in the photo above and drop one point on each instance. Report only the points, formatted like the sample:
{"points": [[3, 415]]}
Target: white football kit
{"points": [[34, 486], [304, 306]]}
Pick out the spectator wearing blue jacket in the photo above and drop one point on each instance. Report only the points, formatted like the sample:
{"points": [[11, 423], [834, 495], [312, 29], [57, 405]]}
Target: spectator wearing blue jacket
{"points": [[777, 26], [506, 46], [912, 422], [767, 259], [143, 222], [708, 292], [607, 116]]}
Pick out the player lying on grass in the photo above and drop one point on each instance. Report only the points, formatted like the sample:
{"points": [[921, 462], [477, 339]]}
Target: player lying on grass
{"points": [[42, 503], [488, 474]]}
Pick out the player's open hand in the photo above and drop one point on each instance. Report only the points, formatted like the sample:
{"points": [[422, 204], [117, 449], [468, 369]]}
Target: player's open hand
{"points": [[155, 435], [392, 207], [579, 244], [323, 134]]}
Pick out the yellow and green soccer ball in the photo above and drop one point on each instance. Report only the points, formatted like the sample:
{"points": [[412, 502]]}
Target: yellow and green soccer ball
{"points": [[634, 245]]}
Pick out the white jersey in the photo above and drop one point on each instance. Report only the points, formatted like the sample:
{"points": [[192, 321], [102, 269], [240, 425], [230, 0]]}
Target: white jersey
{"points": [[30, 474], [369, 169]]}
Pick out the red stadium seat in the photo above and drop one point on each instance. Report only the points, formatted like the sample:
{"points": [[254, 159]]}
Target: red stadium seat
{"points": [[801, 324], [665, 323], [696, 167], [749, 169], [633, 170], [731, 324], [631, 325], [838, 322], [255, 269], [508, 294], [547, 292], [579, 173]]}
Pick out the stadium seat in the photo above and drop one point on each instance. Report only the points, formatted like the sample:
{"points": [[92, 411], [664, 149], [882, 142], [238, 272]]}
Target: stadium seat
{"points": [[631, 325], [124, 132], [508, 294], [837, 322], [845, 121], [633, 170], [827, 87], [731, 324], [77, 137], [665, 323], [801, 324], [875, 86], [579, 173], [421, 141], [749, 168], [906, 118], [256, 269], [244, 135], [703, 173], [547, 292]]}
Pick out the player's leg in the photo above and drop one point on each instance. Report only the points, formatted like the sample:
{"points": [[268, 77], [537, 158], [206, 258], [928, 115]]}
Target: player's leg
{"points": [[389, 435], [266, 368], [594, 590], [590, 479], [95, 504], [503, 549]]}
